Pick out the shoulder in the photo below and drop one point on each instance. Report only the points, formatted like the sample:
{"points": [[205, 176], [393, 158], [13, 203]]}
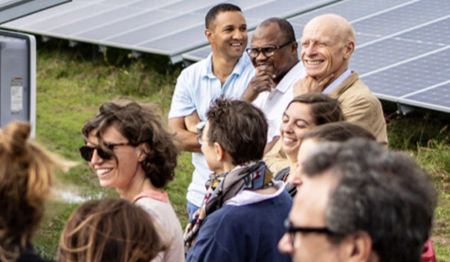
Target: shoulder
{"points": [[163, 212], [30, 255], [282, 174], [359, 93], [196, 68]]}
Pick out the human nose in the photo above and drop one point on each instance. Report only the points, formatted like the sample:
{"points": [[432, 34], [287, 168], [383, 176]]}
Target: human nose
{"points": [[284, 245], [310, 50], [287, 127], [261, 55], [296, 179], [238, 34], [95, 158]]}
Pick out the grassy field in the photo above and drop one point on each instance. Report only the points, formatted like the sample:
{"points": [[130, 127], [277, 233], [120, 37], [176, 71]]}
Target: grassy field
{"points": [[72, 83]]}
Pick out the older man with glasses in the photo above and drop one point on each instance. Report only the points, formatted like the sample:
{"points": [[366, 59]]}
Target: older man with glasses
{"points": [[274, 54], [359, 202]]}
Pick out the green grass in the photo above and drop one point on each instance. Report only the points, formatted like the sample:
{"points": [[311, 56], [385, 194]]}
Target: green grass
{"points": [[71, 85], [70, 88]]}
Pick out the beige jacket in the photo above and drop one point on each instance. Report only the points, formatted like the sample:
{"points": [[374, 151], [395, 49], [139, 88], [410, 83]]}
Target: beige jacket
{"points": [[361, 107]]}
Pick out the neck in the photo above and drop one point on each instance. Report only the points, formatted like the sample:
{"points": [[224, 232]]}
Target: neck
{"points": [[222, 68], [226, 167], [139, 183], [337, 74]]}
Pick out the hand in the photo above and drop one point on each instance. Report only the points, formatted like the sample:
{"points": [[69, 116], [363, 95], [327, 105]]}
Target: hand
{"points": [[310, 85], [191, 121], [261, 82]]}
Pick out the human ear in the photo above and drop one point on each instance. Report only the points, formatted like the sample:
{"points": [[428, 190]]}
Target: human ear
{"points": [[219, 151], [358, 247], [142, 151], [294, 47], [349, 48], [208, 34]]}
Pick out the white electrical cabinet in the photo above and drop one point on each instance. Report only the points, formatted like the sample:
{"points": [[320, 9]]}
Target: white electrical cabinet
{"points": [[17, 78]]}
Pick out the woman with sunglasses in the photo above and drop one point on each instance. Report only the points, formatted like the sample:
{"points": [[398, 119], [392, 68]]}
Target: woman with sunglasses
{"points": [[129, 148]]}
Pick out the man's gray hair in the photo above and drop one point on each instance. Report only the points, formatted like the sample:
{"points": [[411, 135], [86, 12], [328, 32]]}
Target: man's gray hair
{"points": [[381, 192]]}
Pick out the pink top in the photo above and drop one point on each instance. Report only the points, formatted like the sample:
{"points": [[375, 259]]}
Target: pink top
{"points": [[158, 206], [161, 196]]}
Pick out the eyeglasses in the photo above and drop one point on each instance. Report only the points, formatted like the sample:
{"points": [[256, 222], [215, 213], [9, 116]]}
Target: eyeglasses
{"points": [[292, 230], [268, 51], [200, 126], [88, 151]]}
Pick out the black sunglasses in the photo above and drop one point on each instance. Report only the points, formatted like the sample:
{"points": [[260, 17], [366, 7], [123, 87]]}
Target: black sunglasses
{"points": [[292, 230], [88, 151], [268, 51]]}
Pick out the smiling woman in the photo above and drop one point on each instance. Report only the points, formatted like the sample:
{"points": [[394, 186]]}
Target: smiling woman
{"points": [[301, 115], [129, 148]]}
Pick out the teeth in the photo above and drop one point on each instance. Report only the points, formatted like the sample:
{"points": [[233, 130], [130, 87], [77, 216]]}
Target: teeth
{"points": [[288, 139], [236, 44], [314, 62], [103, 171], [262, 67]]}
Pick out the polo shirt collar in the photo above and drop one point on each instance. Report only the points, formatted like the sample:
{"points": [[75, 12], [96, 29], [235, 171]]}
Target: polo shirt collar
{"points": [[288, 79], [237, 70]]}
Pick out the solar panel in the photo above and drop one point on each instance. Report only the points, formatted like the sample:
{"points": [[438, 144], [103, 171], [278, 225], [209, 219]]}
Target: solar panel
{"points": [[13, 9], [170, 27]]}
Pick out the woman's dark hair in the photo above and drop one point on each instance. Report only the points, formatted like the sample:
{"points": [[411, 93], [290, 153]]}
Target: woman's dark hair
{"points": [[140, 124], [323, 108]]}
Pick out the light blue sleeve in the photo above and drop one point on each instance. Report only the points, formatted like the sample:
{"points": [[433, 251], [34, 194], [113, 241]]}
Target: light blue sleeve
{"points": [[182, 100]]}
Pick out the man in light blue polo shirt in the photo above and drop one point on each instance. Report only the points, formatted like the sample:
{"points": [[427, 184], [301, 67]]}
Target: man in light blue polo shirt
{"points": [[226, 72]]}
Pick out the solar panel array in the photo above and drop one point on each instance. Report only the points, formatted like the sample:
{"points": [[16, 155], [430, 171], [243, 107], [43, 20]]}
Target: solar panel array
{"points": [[402, 46], [169, 27]]}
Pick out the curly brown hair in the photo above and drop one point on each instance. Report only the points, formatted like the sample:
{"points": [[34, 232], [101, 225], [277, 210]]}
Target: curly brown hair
{"points": [[140, 124], [26, 171], [109, 230]]}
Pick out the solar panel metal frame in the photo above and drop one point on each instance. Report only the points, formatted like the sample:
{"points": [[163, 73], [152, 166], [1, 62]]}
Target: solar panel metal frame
{"points": [[50, 28], [11, 10]]}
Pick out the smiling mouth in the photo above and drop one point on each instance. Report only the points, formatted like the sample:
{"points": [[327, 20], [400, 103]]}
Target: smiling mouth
{"points": [[289, 140], [262, 67], [103, 171], [236, 44], [314, 62]]}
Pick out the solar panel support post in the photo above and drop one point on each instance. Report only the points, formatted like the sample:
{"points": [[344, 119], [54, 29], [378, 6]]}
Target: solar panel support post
{"points": [[404, 109]]}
